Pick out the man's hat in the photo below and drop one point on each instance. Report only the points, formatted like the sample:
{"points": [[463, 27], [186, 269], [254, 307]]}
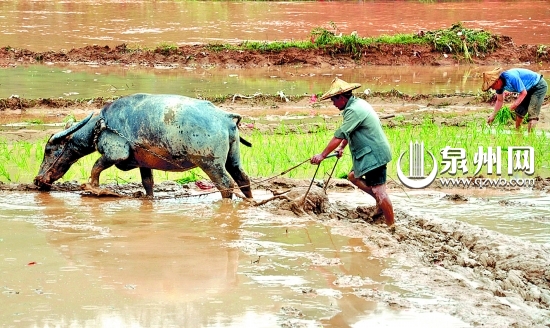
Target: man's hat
{"points": [[489, 78], [339, 86]]}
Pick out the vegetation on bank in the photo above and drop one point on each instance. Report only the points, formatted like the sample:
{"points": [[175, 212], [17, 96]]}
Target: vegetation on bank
{"points": [[456, 40], [274, 153]]}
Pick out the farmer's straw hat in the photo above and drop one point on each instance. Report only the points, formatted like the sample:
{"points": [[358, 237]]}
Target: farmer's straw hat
{"points": [[339, 86], [489, 78]]}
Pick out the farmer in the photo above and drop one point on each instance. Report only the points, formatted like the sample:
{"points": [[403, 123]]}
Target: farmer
{"points": [[530, 86], [370, 149]]}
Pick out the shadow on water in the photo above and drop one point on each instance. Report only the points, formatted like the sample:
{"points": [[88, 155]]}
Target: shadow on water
{"points": [[104, 262]]}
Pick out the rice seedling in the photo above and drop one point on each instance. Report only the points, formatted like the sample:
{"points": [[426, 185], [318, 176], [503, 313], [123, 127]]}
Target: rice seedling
{"points": [[274, 153], [503, 116], [4, 174]]}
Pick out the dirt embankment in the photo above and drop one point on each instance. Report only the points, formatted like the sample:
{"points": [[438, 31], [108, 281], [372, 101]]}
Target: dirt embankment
{"points": [[506, 52]]}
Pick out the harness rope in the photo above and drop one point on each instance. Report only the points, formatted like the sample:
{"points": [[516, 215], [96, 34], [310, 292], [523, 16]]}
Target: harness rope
{"points": [[250, 185]]}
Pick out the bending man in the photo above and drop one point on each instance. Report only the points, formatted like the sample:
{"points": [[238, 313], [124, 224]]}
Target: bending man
{"points": [[362, 131], [530, 86]]}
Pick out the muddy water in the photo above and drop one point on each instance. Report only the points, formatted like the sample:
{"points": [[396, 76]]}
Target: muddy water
{"points": [[67, 259], [81, 81], [46, 25]]}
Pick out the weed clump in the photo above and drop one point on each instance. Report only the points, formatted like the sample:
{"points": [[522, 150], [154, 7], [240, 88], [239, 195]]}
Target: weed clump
{"points": [[460, 40], [456, 40]]}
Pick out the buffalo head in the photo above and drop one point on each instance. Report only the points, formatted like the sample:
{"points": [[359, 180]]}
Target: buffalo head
{"points": [[59, 154]]}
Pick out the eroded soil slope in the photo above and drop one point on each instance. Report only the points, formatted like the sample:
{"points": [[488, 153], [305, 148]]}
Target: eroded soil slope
{"points": [[507, 52]]}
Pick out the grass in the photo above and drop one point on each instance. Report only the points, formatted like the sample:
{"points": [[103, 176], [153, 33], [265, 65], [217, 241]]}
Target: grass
{"points": [[274, 153], [457, 40]]}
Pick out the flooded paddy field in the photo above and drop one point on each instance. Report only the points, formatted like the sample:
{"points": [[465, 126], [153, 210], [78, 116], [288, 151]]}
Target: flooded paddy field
{"points": [[71, 259], [457, 257], [463, 257]]}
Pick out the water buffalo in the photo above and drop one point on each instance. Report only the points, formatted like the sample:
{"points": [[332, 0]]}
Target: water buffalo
{"points": [[145, 131]]}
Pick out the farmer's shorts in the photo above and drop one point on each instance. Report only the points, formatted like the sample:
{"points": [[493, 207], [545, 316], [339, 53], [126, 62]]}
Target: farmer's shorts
{"points": [[533, 101], [375, 177]]}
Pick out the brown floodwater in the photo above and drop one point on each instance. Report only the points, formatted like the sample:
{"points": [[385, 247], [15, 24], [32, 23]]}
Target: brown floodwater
{"points": [[69, 260], [54, 25]]}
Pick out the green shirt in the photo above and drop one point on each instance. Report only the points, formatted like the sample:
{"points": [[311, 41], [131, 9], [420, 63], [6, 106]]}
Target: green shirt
{"points": [[367, 142]]}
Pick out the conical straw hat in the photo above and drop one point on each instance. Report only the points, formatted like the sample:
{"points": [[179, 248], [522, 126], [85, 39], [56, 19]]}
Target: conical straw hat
{"points": [[339, 86], [489, 78]]}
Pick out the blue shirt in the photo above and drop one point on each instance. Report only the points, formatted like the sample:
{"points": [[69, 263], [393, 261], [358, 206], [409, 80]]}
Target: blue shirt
{"points": [[518, 79]]}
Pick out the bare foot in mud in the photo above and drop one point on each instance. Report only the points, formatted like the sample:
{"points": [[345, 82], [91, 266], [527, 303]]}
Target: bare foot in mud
{"points": [[379, 215], [373, 215]]}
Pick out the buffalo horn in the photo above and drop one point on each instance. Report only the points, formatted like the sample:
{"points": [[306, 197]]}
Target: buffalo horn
{"points": [[70, 130]]}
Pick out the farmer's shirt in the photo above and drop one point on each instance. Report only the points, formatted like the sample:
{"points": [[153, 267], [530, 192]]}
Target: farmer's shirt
{"points": [[362, 129], [518, 79]]}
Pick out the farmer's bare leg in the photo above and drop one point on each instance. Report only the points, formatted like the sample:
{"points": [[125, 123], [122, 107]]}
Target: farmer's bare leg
{"points": [[535, 103], [531, 125], [379, 194], [519, 119], [384, 203]]}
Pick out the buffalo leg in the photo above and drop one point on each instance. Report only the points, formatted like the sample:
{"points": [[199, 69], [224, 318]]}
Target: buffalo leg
{"points": [[113, 149], [147, 180], [99, 166], [219, 176], [233, 166], [240, 178]]}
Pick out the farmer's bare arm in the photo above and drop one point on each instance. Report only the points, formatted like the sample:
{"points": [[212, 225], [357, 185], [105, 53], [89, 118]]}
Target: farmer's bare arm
{"points": [[332, 144], [498, 106], [340, 149]]}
